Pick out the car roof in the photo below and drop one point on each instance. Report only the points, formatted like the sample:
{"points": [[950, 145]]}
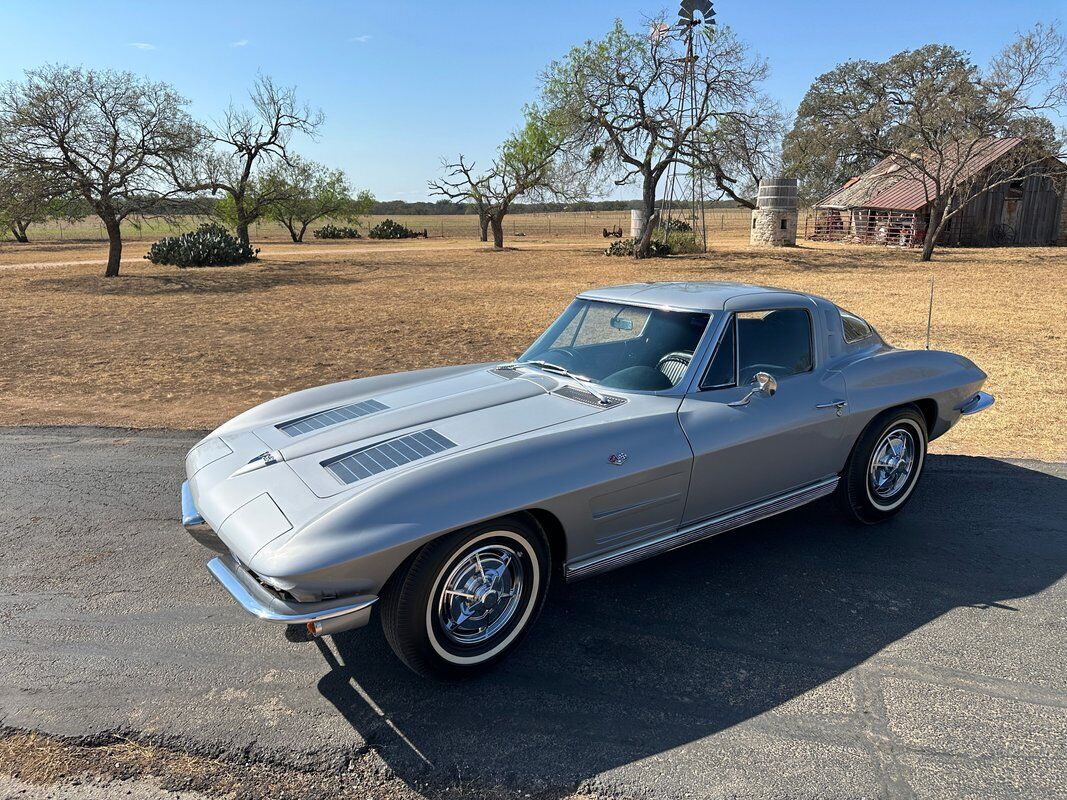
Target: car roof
{"points": [[685, 295]]}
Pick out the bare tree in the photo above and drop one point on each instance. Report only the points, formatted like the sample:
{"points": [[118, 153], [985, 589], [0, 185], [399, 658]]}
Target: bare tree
{"points": [[621, 97], [528, 162], [313, 192], [110, 138], [941, 120], [247, 142]]}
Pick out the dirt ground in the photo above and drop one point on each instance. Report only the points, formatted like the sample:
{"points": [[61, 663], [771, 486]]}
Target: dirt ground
{"points": [[163, 347]]}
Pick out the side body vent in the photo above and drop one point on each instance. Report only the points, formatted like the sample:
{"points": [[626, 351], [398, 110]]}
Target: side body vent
{"points": [[364, 463], [582, 396], [333, 416]]}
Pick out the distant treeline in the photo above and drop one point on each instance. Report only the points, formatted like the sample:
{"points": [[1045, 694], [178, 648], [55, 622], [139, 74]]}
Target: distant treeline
{"points": [[204, 206], [401, 207]]}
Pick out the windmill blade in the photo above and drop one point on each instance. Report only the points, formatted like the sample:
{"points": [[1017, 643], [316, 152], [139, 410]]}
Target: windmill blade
{"points": [[689, 10]]}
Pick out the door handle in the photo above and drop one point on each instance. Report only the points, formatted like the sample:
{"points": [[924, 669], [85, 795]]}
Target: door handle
{"points": [[838, 404]]}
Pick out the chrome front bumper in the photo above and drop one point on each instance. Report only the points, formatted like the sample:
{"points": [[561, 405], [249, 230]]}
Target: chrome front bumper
{"points": [[329, 616]]}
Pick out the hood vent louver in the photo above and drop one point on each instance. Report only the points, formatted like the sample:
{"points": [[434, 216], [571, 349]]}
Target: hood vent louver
{"points": [[582, 396], [368, 461], [332, 416]]}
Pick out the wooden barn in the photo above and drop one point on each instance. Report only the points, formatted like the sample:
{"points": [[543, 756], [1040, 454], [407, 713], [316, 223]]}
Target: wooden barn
{"points": [[888, 205]]}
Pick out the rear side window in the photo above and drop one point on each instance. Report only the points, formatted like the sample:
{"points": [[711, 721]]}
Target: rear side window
{"points": [[855, 329]]}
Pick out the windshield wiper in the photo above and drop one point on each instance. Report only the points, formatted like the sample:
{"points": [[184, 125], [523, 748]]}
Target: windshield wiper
{"points": [[585, 380]]}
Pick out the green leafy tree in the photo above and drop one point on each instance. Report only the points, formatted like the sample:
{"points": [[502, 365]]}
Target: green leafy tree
{"points": [[26, 198], [310, 192], [936, 115], [619, 97], [529, 162]]}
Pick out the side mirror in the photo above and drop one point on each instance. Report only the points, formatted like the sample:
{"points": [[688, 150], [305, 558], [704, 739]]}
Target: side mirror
{"points": [[763, 384]]}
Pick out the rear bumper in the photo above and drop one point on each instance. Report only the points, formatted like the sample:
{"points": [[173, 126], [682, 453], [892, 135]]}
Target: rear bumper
{"points": [[979, 401], [329, 616]]}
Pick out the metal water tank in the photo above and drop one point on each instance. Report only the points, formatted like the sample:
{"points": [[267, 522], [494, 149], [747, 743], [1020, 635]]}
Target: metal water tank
{"points": [[637, 222]]}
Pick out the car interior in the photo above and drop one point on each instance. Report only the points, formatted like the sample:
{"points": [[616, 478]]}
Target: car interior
{"points": [[630, 348]]}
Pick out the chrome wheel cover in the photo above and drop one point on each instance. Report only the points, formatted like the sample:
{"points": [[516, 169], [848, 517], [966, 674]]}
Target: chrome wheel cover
{"points": [[481, 594], [892, 463]]}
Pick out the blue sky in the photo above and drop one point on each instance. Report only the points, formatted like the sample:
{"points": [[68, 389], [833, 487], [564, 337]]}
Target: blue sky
{"points": [[404, 83]]}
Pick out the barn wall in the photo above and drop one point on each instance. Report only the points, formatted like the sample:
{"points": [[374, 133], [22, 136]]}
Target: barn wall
{"points": [[1037, 220]]}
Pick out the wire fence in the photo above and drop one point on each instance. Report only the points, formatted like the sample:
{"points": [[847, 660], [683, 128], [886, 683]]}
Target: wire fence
{"points": [[721, 223]]}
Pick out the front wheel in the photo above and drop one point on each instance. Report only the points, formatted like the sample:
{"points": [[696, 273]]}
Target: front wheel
{"points": [[884, 466], [465, 600]]}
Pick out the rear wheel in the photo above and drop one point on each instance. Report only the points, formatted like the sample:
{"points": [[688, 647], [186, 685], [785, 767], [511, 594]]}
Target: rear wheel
{"points": [[884, 466], [464, 601]]}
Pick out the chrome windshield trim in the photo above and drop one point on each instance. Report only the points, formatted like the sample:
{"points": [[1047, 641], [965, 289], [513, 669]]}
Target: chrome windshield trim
{"points": [[258, 602]]}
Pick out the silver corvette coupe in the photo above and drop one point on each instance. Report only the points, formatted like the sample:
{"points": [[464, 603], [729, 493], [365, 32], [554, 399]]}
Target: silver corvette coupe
{"points": [[645, 418]]}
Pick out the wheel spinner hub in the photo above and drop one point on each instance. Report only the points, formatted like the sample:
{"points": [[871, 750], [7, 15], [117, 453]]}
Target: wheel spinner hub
{"points": [[481, 594]]}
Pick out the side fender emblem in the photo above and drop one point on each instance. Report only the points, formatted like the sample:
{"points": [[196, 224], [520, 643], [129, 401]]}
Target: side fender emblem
{"points": [[617, 459]]}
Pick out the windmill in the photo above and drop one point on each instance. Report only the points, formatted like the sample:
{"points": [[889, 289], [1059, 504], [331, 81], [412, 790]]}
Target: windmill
{"points": [[696, 24]]}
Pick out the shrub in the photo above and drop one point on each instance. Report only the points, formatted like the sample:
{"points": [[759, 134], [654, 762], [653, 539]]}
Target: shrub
{"points": [[679, 225], [329, 231], [210, 245], [625, 247], [681, 243], [387, 229]]}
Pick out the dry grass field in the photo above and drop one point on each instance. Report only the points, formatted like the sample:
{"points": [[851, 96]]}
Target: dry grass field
{"points": [[162, 347]]}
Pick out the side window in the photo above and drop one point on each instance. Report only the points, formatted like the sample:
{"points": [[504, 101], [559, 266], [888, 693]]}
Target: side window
{"points": [[722, 371], [854, 328], [777, 341]]}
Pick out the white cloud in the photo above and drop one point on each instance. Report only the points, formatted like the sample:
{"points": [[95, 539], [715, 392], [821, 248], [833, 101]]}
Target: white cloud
{"points": [[239, 43], [143, 45], [362, 39]]}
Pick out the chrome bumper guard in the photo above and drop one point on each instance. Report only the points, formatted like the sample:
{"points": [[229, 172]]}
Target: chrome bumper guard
{"points": [[195, 524], [329, 616], [980, 401]]}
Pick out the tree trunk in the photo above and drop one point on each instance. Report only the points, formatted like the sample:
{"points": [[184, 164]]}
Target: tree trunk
{"points": [[303, 230], [643, 245], [497, 223], [483, 223], [18, 230], [933, 231], [242, 226], [114, 245], [292, 231]]}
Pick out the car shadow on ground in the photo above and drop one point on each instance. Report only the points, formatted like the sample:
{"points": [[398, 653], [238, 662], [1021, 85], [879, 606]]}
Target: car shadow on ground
{"points": [[678, 648]]}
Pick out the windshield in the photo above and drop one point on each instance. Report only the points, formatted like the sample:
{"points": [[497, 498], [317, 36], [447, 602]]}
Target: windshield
{"points": [[621, 346]]}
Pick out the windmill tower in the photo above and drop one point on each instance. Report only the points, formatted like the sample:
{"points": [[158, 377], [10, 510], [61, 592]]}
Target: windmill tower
{"points": [[683, 195]]}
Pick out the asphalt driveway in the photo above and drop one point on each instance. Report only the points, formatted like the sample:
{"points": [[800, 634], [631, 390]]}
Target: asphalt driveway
{"points": [[797, 657]]}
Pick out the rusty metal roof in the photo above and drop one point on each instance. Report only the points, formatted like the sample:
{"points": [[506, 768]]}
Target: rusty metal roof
{"points": [[888, 186]]}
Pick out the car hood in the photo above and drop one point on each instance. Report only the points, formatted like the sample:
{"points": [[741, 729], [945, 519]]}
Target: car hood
{"points": [[264, 476]]}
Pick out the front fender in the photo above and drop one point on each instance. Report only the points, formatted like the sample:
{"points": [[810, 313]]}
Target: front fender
{"points": [[357, 544]]}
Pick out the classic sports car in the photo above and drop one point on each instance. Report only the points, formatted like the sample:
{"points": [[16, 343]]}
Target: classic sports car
{"points": [[645, 418]]}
